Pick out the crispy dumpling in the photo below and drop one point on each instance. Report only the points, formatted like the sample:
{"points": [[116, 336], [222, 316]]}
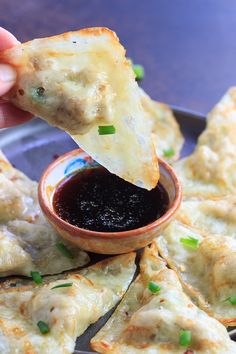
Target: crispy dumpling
{"points": [[210, 216], [210, 172], [67, 311], [207, 268], [79, 81], [13, 258], [168, 139], [147, 322], [27, 241], [18, 194]]}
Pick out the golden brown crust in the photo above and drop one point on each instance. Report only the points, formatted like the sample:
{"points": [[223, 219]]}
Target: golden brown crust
{"points": [[20, 285], [139, 324], [179, 265]]}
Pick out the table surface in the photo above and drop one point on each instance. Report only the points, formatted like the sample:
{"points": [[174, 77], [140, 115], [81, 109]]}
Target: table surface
{"points": [[188, 48]]}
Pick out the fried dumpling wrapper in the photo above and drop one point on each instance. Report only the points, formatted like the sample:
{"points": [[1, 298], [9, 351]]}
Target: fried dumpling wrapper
{"points": [[67, 311], [210, 172], [210, 216], [27, 241], [18, 194], [147, 322], [168, 139], [79, 81], [206, 267]]}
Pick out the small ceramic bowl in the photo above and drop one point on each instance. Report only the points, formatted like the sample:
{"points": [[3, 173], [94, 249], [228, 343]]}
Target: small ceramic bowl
{"points": [[103, 242]]}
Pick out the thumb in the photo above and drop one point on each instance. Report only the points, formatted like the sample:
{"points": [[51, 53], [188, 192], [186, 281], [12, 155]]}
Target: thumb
{"points": [[7, 78]]}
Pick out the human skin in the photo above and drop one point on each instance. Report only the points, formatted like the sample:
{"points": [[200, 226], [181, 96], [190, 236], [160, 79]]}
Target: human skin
{"points": [[9, 114]]}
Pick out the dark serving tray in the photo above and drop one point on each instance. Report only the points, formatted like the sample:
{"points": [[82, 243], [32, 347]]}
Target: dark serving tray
{"points": [[32, 146]]}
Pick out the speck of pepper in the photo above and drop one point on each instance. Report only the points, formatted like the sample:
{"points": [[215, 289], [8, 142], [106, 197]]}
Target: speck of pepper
{"points": [[152, 337], [21, 92], [55, 156], [74, 42], [40, 91]]}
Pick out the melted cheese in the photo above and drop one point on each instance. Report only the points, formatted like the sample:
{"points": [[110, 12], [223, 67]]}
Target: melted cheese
{"points": [[208, 272], [27, 241], [80, 80], [67, 311], [210, 170], [151, 323]]}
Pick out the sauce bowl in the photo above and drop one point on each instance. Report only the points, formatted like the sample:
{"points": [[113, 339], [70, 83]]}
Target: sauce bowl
{"points": [[103, 242]]}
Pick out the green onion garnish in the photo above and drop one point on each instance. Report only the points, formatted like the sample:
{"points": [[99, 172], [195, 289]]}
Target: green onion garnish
{"points": [[154, 287], [43, 327], [232, 299], [64, 250], [190, 241], [139, 71], [36, 277], [169, 152], [65, 285], [106, 129], [185, 338]]}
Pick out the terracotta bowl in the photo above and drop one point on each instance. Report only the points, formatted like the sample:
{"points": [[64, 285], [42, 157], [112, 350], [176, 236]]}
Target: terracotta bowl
{"points": [[103, 242]]}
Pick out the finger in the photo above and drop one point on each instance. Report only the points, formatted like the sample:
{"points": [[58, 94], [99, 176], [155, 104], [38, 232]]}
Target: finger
{"points": [[7, 78], [11, 115], [7, 40], [7, 73]]}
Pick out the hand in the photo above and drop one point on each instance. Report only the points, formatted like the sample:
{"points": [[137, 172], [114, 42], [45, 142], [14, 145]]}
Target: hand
{"points": [[9, 114]]}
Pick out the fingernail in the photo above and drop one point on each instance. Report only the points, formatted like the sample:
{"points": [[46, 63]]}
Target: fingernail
{"points": [[7, 73]]}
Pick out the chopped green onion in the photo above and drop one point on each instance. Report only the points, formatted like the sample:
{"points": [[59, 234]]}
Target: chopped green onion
{"points": [[185, 338], [64, 250], [65, 285], [106, 129], [190, 241], [232, 299], [154, 287], [169, 152], [36, 277], [139, 71], [43, 327]]}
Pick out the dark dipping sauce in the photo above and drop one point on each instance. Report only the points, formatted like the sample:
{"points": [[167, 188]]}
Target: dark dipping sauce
{"points": [[97, 200]]}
